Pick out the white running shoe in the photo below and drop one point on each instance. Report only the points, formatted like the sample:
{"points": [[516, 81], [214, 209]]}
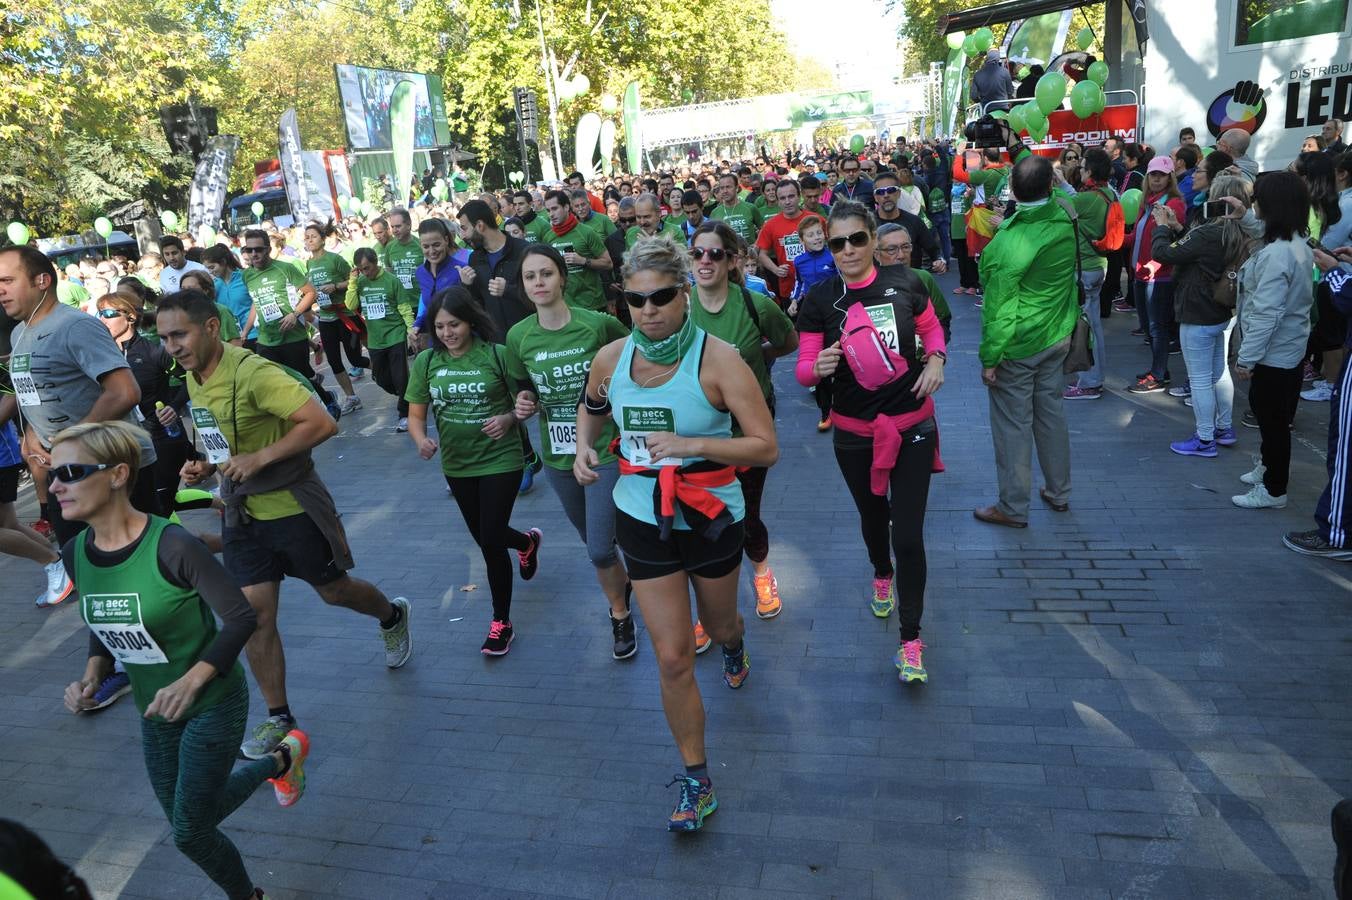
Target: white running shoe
{"points": [[1255, 476], [59, 585], [401, 426], [351, 404], [1319, 392], [1259, 498]]}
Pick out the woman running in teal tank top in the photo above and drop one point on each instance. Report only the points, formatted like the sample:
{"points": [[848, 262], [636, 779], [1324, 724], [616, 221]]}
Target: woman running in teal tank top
{"points": [[679, 506]]}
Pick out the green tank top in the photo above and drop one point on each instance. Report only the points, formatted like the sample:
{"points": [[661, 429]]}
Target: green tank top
{"points": [[156, 629], [680, 407]]}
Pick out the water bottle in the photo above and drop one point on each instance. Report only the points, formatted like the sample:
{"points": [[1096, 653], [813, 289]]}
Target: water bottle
{"points": [[174, 430]]}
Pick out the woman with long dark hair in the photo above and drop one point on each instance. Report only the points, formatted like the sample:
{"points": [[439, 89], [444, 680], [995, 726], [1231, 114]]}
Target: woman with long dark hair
{"points": [[462, 378], [1275, 296]]}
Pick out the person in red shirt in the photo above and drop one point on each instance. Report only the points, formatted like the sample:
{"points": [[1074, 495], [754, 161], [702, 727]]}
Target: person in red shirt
{"points": [[778, 242]]}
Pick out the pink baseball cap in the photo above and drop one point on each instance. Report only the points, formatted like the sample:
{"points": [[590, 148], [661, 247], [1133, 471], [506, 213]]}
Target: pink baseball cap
{"points": [[1160, 164]]}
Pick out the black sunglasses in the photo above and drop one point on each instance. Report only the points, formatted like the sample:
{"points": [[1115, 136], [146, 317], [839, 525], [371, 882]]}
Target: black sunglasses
{"points": [[109, 313], [858, 239], [74, 472], [659, 297], [631, 221], [253, 249], [715, 254]]}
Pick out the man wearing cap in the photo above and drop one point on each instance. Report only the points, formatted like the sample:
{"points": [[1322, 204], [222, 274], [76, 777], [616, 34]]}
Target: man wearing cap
{"points": [[992, 81]]}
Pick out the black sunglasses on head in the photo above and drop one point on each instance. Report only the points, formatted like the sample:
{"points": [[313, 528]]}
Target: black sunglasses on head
{"points": [[858, 239], [74, 472], [659, 297]]}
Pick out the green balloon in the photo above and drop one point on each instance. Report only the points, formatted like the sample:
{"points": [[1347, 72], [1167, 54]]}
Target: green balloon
{"points": [[1085, 39], [857, 144], [256, 208], [1051, 90], [999, 114], [984, 38], [1207, 151], [1032, 115], [955, 39], [206, 235], [610, 104], [1098, 72], [969, 45], [103, 227], [18, 233], [1084, 99], [169, 220], [1037, 128], [1100, 100], [1016, 119], [1131, 205], [345, 203]]}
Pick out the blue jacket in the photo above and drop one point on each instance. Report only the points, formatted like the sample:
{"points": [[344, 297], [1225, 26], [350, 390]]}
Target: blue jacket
{"points": [[1340, 284], [811, 269], [1186, 189], [430, 285], [234, 296]]}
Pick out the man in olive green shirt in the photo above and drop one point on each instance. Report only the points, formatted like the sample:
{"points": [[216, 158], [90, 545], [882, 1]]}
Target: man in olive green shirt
{"points": [[403, 254]]}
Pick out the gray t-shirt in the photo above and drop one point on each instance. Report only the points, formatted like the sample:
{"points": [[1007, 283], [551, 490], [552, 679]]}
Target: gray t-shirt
{"points": [[67, 352], [170, 277]]}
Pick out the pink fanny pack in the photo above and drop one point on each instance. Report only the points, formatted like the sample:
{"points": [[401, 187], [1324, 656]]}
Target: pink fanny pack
{"points": [[873, 363]]}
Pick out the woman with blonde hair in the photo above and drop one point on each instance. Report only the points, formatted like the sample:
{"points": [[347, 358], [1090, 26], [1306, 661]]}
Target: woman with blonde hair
{"points": [[150, 593]]}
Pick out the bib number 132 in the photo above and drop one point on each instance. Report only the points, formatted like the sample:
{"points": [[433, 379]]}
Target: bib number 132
{"points": [[885, 320]]}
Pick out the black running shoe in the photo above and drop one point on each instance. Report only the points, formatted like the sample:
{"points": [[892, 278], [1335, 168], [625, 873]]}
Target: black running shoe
{"points": [[528, 561], [626, 645]]}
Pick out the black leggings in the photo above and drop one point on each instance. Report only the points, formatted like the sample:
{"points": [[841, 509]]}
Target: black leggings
{"points": [[1273, 396], [757, 541], [337, 337], [968, 276], [823, 394], [170, 456], [389, 369], [486, 503], [295, 355], [909, 490]]}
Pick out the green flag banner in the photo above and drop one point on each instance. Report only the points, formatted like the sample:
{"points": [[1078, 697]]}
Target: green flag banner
{"points": [[403, 120], [819, 108], [633, 129], [955, 77]]}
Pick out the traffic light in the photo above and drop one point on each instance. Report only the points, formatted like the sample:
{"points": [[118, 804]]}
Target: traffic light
{"points": [[526, 116]]}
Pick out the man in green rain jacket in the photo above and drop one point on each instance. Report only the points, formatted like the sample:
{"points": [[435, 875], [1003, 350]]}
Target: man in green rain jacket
{"points": [[1031, 305]]}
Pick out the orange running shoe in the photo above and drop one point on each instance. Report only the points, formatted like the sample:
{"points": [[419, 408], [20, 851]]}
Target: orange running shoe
{"points": [[702, 641], [768, 604]]}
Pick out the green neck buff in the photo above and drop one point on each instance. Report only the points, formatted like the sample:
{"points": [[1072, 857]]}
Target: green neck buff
{"points": [[670, 349]]}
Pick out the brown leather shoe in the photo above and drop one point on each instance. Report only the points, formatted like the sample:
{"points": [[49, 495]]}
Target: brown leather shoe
{"points": [[1047, 499], [992, 516]]}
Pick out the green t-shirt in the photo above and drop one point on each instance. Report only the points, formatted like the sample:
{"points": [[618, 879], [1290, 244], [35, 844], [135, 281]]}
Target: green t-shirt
{"points": [[229, 327], [251, 401], [537, 229], [71, 294], [157, 629], [385, 306], [584, 288], [463, 392], [275, 292], [742, 218], [557, 363], [403, 260], [733, 323], [674, 221], [672, 231], [936, 294], [600, 224], [328, 268]]}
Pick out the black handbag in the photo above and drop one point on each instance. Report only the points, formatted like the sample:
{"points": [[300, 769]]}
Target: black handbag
{"points": [[1080, 356]]}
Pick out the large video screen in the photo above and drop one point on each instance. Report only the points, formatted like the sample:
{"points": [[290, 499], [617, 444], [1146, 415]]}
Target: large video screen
{"points": [[366, 94]]}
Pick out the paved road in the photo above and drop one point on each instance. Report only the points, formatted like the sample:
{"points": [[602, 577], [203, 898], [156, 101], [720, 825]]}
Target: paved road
{"points": [[1145, 697]]}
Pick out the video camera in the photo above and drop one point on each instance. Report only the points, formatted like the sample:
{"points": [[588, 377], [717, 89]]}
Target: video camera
{"points": [[985, 132]]}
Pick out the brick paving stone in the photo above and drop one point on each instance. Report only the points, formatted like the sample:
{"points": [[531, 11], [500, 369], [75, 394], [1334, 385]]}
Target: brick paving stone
{"points": [[1093, 726]]}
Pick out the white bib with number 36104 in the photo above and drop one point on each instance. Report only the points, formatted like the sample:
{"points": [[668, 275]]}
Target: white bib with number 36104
{"points": [[209, 430], [21, 375], [884, 318], [116, 620], [636, 423]]}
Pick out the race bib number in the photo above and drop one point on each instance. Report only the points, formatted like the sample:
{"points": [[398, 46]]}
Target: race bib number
{"points": [[116, 620], [209, 430], [561, 427], [406, 279], [637, 422], [323, 299], [21, 374], [957, 206], [884, 318], [271, 311], [375, 309]]}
